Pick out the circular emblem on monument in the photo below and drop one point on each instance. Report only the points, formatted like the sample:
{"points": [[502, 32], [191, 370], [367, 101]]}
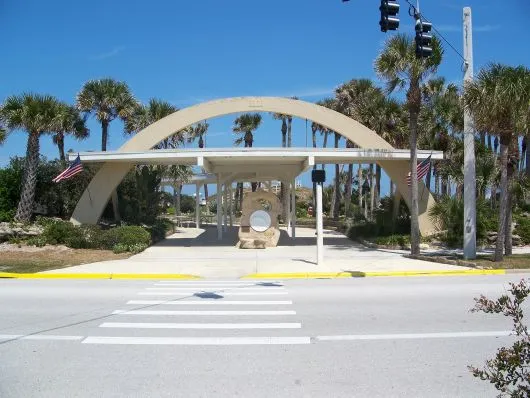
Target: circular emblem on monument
{"points": [[260, 221]]}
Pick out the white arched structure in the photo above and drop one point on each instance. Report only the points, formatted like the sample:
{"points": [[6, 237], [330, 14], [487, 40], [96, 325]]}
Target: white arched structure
{"points": [[94, 199]]}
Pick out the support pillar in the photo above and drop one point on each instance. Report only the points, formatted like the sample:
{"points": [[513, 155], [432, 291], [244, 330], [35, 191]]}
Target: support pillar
{"points": [[197, 206], [219, 209], [287, 202], [293, 209], [320, 227], [225, 208], [231, 204]]}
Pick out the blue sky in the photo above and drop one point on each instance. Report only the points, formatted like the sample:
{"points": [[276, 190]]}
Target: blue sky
{"points": [[187, 52]]}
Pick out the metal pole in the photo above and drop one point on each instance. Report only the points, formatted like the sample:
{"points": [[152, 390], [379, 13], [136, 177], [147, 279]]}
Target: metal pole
{"points": [[470, 216], [219, 209], [197, 206], [287, 203], [320, 227]]}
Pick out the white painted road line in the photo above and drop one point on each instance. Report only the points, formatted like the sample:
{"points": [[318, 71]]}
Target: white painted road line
{"points": [[215, 289], [406, 336], [202, 282], [38, 337], [161, 312], [197, 340], [140, 325], [219, 293], [211, 285], [209, 302]]}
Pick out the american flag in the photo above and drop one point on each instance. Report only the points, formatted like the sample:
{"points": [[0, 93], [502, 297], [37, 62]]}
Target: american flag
{"points": [[75, 168], [422, 169]]}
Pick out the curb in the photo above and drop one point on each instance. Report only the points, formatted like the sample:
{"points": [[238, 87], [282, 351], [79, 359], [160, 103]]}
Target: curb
{"points": [[360, 274], [9, 275]]}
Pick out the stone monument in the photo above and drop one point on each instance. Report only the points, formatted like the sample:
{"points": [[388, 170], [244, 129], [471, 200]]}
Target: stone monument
{"points": [[259, 220]]}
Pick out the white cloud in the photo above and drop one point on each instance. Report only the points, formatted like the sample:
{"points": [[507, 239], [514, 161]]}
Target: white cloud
{"points": [[109, 54]]}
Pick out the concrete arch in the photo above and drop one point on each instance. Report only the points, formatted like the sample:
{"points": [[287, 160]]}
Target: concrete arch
{"points": [[94, 199]]}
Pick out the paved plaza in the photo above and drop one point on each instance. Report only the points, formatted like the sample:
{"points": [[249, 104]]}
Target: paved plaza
{"points": [[198, 252]]}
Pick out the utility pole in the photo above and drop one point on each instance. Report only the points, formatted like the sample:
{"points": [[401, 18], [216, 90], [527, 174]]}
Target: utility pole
{"points": [[470, 211]]}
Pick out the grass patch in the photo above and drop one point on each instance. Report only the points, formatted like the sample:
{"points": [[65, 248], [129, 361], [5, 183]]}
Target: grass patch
{"points": [[49, 259], [515, 261]]}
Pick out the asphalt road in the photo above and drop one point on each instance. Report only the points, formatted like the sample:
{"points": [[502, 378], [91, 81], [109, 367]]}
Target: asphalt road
{"points": [[371, 337]]}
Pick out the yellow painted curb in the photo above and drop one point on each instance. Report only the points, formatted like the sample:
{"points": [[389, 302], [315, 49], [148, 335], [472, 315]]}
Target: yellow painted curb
{"points": [[354, 274], [96, 276]]}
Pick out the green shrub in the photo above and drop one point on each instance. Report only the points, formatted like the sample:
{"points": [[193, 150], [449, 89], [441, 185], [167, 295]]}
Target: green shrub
{"points": [[522, 228], [38, 241], [136, 248], [393, 240], [160, 228], [170, 211], [94, 236], [57, 232], [126, 235], [448, 215], [120, 248], [7, 215]]}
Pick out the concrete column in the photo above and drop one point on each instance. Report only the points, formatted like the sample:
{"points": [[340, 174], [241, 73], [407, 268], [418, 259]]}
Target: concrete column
{"points": [[293, 209], [197, 206], [225, 208], [231, 204], [219, 209], [287, 203], [320, 227]]}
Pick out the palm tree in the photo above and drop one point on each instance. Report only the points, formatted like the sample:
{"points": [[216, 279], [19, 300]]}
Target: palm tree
{"points": [[107, 99], [199, 131], [70, 123], [38, 115], [283, 118], [178, 175], [244, 125], [145, 115], [498, 99], [3, 134], [398, 66], [289, 128]]}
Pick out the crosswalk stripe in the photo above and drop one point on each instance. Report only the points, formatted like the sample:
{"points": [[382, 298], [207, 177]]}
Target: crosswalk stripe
{"points": [[220, 293], [197, 340], [217, 282], [261, 289], [38, 337], [211, 302], [165, 312], [141, 325]]}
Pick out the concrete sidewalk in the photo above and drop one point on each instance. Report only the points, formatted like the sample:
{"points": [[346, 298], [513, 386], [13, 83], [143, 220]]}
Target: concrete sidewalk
{"points": [[198, 252]]}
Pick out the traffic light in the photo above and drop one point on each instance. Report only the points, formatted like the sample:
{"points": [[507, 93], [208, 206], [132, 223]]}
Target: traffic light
{"points": [[389, 11], [423, 38]]}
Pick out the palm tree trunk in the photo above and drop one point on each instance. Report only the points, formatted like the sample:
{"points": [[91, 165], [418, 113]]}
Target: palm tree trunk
{"points": [[29, 180], [501, 232], [206, 192], [527, 154], [335, 203], [178, 196], [289, 135], [360, 193], [508, 230], [347, 196], [414, 212], [60, 145], [377, 184], [372, 191], [104, 134]]}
